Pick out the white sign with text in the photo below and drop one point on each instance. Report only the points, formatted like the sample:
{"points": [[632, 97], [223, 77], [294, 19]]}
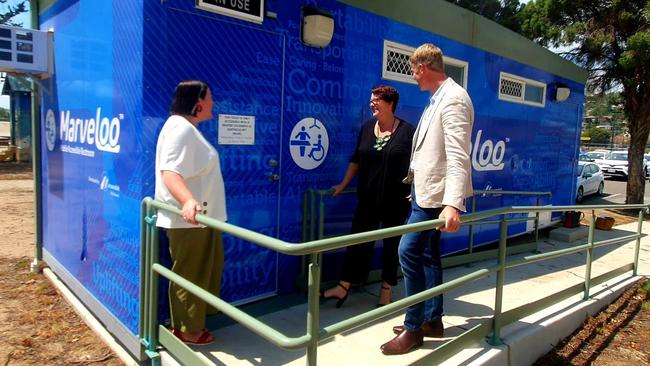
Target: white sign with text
{"points": [[236, 129]]}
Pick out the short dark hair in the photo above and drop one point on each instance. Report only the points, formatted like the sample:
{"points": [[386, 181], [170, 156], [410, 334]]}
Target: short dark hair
{"points": [[186, 95], [387, 94]]}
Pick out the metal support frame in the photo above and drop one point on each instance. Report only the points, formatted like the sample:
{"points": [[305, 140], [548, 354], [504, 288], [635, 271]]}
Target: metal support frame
{"points": [[37, 163]]}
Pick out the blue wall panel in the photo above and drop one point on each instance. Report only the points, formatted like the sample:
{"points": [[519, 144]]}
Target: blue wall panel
{"points": [[92, 181]]}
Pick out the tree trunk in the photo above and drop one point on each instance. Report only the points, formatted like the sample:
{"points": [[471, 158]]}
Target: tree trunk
{"points": [[639, 126]]}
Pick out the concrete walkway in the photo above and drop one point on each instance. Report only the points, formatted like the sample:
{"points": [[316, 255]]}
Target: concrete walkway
{"points": [[524, 341]]}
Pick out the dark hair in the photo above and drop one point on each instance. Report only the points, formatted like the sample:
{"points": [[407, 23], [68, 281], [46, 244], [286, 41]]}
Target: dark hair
{"points": [[186, 95], [387, 94]]}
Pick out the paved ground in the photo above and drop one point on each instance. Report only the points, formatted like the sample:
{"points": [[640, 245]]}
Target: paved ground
{"points": [[615, 189]]}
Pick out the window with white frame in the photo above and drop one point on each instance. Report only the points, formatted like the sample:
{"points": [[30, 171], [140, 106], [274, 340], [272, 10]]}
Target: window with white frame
{"points": [[396, 65], [513, 88]]}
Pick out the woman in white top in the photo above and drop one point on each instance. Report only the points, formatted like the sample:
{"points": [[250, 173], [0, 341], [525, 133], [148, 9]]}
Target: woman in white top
{"points": [[188, 175]]}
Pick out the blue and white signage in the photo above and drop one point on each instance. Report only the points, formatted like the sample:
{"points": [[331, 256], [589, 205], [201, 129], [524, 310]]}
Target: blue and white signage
{"points": [[50, 130], [84, 136], [309, 143], [251, 10], [487, 155]]}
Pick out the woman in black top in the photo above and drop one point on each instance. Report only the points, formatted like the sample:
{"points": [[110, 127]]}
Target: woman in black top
{"points": [[381, 161]]}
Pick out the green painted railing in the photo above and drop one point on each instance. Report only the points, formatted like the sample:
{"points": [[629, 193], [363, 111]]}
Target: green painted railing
{"points": [[154, 335], [313, 226]]}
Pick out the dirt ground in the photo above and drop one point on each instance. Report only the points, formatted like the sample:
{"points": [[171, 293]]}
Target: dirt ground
{"points": [[38, 327], [618, 335]]}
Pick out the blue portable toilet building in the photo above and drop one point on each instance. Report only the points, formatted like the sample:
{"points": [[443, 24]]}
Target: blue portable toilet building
{"points": [[116, 64]]}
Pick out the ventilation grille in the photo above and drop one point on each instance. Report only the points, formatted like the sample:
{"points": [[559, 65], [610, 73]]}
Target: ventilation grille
{"points": [[511, 88], [398, 62], [397, 65], [517, 89]]}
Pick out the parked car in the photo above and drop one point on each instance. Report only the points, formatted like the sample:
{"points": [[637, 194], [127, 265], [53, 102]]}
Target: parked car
{"points": [[584, 157], [615, 165], [597, 154], [646, 169], [590, 180]]}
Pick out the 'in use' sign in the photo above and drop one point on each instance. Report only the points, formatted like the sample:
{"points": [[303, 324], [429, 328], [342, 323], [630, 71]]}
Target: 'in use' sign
{"points": [[251, 10]]}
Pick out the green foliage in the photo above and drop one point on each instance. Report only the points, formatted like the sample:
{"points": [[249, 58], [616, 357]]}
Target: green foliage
{"points": [[9, 9], [598, 135], [4, 114], [505, 12], [612, 40], [645, 289]]}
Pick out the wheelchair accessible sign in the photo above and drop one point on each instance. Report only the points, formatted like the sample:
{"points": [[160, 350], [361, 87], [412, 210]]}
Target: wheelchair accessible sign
{"points": [[309, 143]]}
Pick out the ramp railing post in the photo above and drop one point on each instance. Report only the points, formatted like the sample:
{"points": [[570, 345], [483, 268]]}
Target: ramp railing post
{"points": [[312, 214], [537, 225], [638, 243], [305, 214], [590, 254], [144, 277], [321, 217], [471, 227], [495, 340], [313, 315], [152, 290]]}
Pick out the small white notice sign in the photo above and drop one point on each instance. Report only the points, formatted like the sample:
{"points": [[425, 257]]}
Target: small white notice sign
{"points": [[236, 130]]}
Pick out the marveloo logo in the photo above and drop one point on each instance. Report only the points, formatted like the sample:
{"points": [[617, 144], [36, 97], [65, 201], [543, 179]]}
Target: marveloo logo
{"points": [[488, 155], [103, 132], [50, 130]]}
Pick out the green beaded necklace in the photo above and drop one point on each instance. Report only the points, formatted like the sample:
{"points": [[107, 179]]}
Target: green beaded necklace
{"points": [[381, 142]]}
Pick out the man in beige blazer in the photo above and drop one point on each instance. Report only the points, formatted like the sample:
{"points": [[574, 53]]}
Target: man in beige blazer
{"points": [[441, 179]]}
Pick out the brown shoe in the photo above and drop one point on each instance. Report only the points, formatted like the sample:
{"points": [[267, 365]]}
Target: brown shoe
{"points": [[430, 329], [404, 342]]}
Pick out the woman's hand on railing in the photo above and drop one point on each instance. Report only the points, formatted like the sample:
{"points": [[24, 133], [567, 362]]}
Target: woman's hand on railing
{"points": [[337, 189], [189, 211]]}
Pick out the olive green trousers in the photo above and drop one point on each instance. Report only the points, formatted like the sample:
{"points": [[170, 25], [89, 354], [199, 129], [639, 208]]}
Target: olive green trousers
{"points": [[197, 255]]}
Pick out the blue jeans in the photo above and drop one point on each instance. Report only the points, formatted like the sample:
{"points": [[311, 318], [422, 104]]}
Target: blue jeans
{"points": [[419, 256]]}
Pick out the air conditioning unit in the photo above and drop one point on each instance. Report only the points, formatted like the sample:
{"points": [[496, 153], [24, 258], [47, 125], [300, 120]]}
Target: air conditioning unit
{"points": [[26, 51]]}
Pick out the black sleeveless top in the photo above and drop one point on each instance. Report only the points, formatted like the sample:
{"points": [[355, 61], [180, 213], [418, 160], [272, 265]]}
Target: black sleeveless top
{"points": [[381, 171]]}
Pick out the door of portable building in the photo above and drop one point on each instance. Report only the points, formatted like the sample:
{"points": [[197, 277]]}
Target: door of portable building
{"points": [[243, 66]]}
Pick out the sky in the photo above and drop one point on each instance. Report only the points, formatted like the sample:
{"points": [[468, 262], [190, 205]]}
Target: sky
{"points": [[23, 18]]}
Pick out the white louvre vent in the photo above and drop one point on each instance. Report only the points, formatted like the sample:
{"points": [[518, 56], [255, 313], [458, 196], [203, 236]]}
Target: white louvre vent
{"points": [[513, 88], [396, 65], [398, 62]]}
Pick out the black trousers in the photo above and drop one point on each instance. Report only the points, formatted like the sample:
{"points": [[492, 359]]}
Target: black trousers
{"points": [[358, 258]]}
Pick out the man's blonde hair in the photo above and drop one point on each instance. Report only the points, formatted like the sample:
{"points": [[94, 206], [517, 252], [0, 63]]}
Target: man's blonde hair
{"points": [[429, 56]]}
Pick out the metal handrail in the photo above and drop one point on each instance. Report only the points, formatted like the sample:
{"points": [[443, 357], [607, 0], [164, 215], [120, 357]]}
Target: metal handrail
{"points": [[151, 270], [310, 203]]}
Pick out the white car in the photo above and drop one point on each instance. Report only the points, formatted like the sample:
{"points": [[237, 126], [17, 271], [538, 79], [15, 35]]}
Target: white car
{"points": [[590, 180], [597, 154], [615, 164]]}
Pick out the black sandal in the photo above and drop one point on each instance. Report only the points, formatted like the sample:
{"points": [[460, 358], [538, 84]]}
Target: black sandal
{"points": [[340, 300], [383, 287]]}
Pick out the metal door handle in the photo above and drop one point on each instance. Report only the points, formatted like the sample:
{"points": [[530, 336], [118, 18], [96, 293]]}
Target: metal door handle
{"points": [[274, 177]]}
